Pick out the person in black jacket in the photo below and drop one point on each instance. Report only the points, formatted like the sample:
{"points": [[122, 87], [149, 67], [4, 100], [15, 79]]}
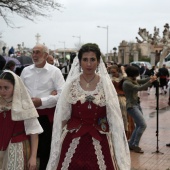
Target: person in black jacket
{"points": [[11, 51], [2, 63], [147, 73], [164, 75]]}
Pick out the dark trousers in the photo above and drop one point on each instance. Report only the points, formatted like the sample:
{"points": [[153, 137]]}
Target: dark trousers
{"points": [[44, 144]]}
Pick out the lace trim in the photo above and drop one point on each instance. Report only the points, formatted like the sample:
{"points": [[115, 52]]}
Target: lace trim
{"points": [[98, 152], [4, 106], [15, 158], [78, 94], [70, 153], [112, 152]]}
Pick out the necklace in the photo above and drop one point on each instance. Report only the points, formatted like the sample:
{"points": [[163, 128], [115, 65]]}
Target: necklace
{"points": [[88, 82]]}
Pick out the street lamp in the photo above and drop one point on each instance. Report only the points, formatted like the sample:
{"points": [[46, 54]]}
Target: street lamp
{"points": [[64, 49], [79, 37], [107, 28], [114, 54]]}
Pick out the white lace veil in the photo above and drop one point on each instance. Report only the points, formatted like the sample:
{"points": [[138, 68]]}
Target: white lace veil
{"points": [[114, 117], [22, 105]]}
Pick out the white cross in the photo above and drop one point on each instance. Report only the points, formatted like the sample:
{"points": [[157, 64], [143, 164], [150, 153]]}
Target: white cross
{"points": [[37, 36]]}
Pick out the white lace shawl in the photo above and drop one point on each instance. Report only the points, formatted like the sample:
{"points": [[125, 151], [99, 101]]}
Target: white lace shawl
{"points": [[22, 105], [114, 117]]}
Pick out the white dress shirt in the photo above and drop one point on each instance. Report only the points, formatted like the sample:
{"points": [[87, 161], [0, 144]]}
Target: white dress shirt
{"points": [[40, 82]]}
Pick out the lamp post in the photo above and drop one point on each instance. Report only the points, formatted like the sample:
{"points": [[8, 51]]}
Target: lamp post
{"points": [[79, 37], [107, 28], [64, 49], [114, 54]]}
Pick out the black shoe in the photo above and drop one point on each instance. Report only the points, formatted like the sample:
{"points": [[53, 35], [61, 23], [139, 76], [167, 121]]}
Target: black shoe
{"points": [[131, 148], [168, 144], [137, 149]]}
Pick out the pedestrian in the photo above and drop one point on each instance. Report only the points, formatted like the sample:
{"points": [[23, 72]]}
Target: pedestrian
{"points": [[65, 70], [163, 78], [3, 49], [117, 76], [142, 70], [131, 86], [11, 51], [41, 80], [153, 71], [19, 127], [88, 131], [147, 73], [168, 144], [10, 65], [2, 63], [50, 59]]}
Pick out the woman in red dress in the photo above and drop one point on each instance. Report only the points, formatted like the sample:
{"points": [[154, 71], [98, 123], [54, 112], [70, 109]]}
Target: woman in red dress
{"points": [[19, 127], [117, 77], [88, 130]]}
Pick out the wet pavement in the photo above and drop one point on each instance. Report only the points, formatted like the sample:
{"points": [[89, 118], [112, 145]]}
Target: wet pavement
{"points": [[156, 154]]}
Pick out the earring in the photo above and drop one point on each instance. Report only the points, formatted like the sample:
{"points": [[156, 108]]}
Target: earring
{"points": [[79, 68]]}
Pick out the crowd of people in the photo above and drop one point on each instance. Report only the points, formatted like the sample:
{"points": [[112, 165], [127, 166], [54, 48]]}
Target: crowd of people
{"points": [[88, 119]]}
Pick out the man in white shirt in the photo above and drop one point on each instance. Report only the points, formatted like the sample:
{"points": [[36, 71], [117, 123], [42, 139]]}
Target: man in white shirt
{"points": [[44, 83]]}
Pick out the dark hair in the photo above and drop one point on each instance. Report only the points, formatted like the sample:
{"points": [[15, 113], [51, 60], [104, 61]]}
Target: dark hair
{"points": [[8, 76], [114, 66], [19, 70], [2, 62], [9, 64], [132, 71], [89, 47]]}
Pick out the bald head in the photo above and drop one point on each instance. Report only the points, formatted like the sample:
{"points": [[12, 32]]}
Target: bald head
{"points": [[43, 47], [50, 59]]}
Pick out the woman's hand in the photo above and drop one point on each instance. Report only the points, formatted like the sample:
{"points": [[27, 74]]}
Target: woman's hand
{"points": [[54, 92], [122, 69], [153, 78], [32, 164]]}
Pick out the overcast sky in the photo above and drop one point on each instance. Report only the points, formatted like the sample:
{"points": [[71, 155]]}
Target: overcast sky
{"points": [[81, 18]]}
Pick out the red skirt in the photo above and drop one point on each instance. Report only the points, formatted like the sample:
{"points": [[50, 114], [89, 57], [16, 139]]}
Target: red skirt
{"points": [[84, 156]]}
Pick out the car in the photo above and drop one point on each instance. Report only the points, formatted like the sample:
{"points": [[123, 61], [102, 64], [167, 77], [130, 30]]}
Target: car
{"points": [[149, 66], [166, 61]]}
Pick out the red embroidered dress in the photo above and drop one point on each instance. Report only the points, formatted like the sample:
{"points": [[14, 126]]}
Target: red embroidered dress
{"points": [[10, 131], [86, 141], [14, 139]]}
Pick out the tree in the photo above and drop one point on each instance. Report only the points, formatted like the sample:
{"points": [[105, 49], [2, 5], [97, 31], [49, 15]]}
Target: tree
{"points": [[28, 9]]}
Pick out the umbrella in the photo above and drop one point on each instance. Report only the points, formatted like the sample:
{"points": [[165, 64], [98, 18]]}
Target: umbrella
{"points": [[25, 60], [18, 64]]}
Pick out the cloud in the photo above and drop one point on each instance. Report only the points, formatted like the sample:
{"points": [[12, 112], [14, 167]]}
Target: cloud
{"points": [[81, 18]]}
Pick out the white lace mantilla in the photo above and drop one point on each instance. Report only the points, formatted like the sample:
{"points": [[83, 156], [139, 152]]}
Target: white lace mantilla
{"points": [[78, 94]]}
